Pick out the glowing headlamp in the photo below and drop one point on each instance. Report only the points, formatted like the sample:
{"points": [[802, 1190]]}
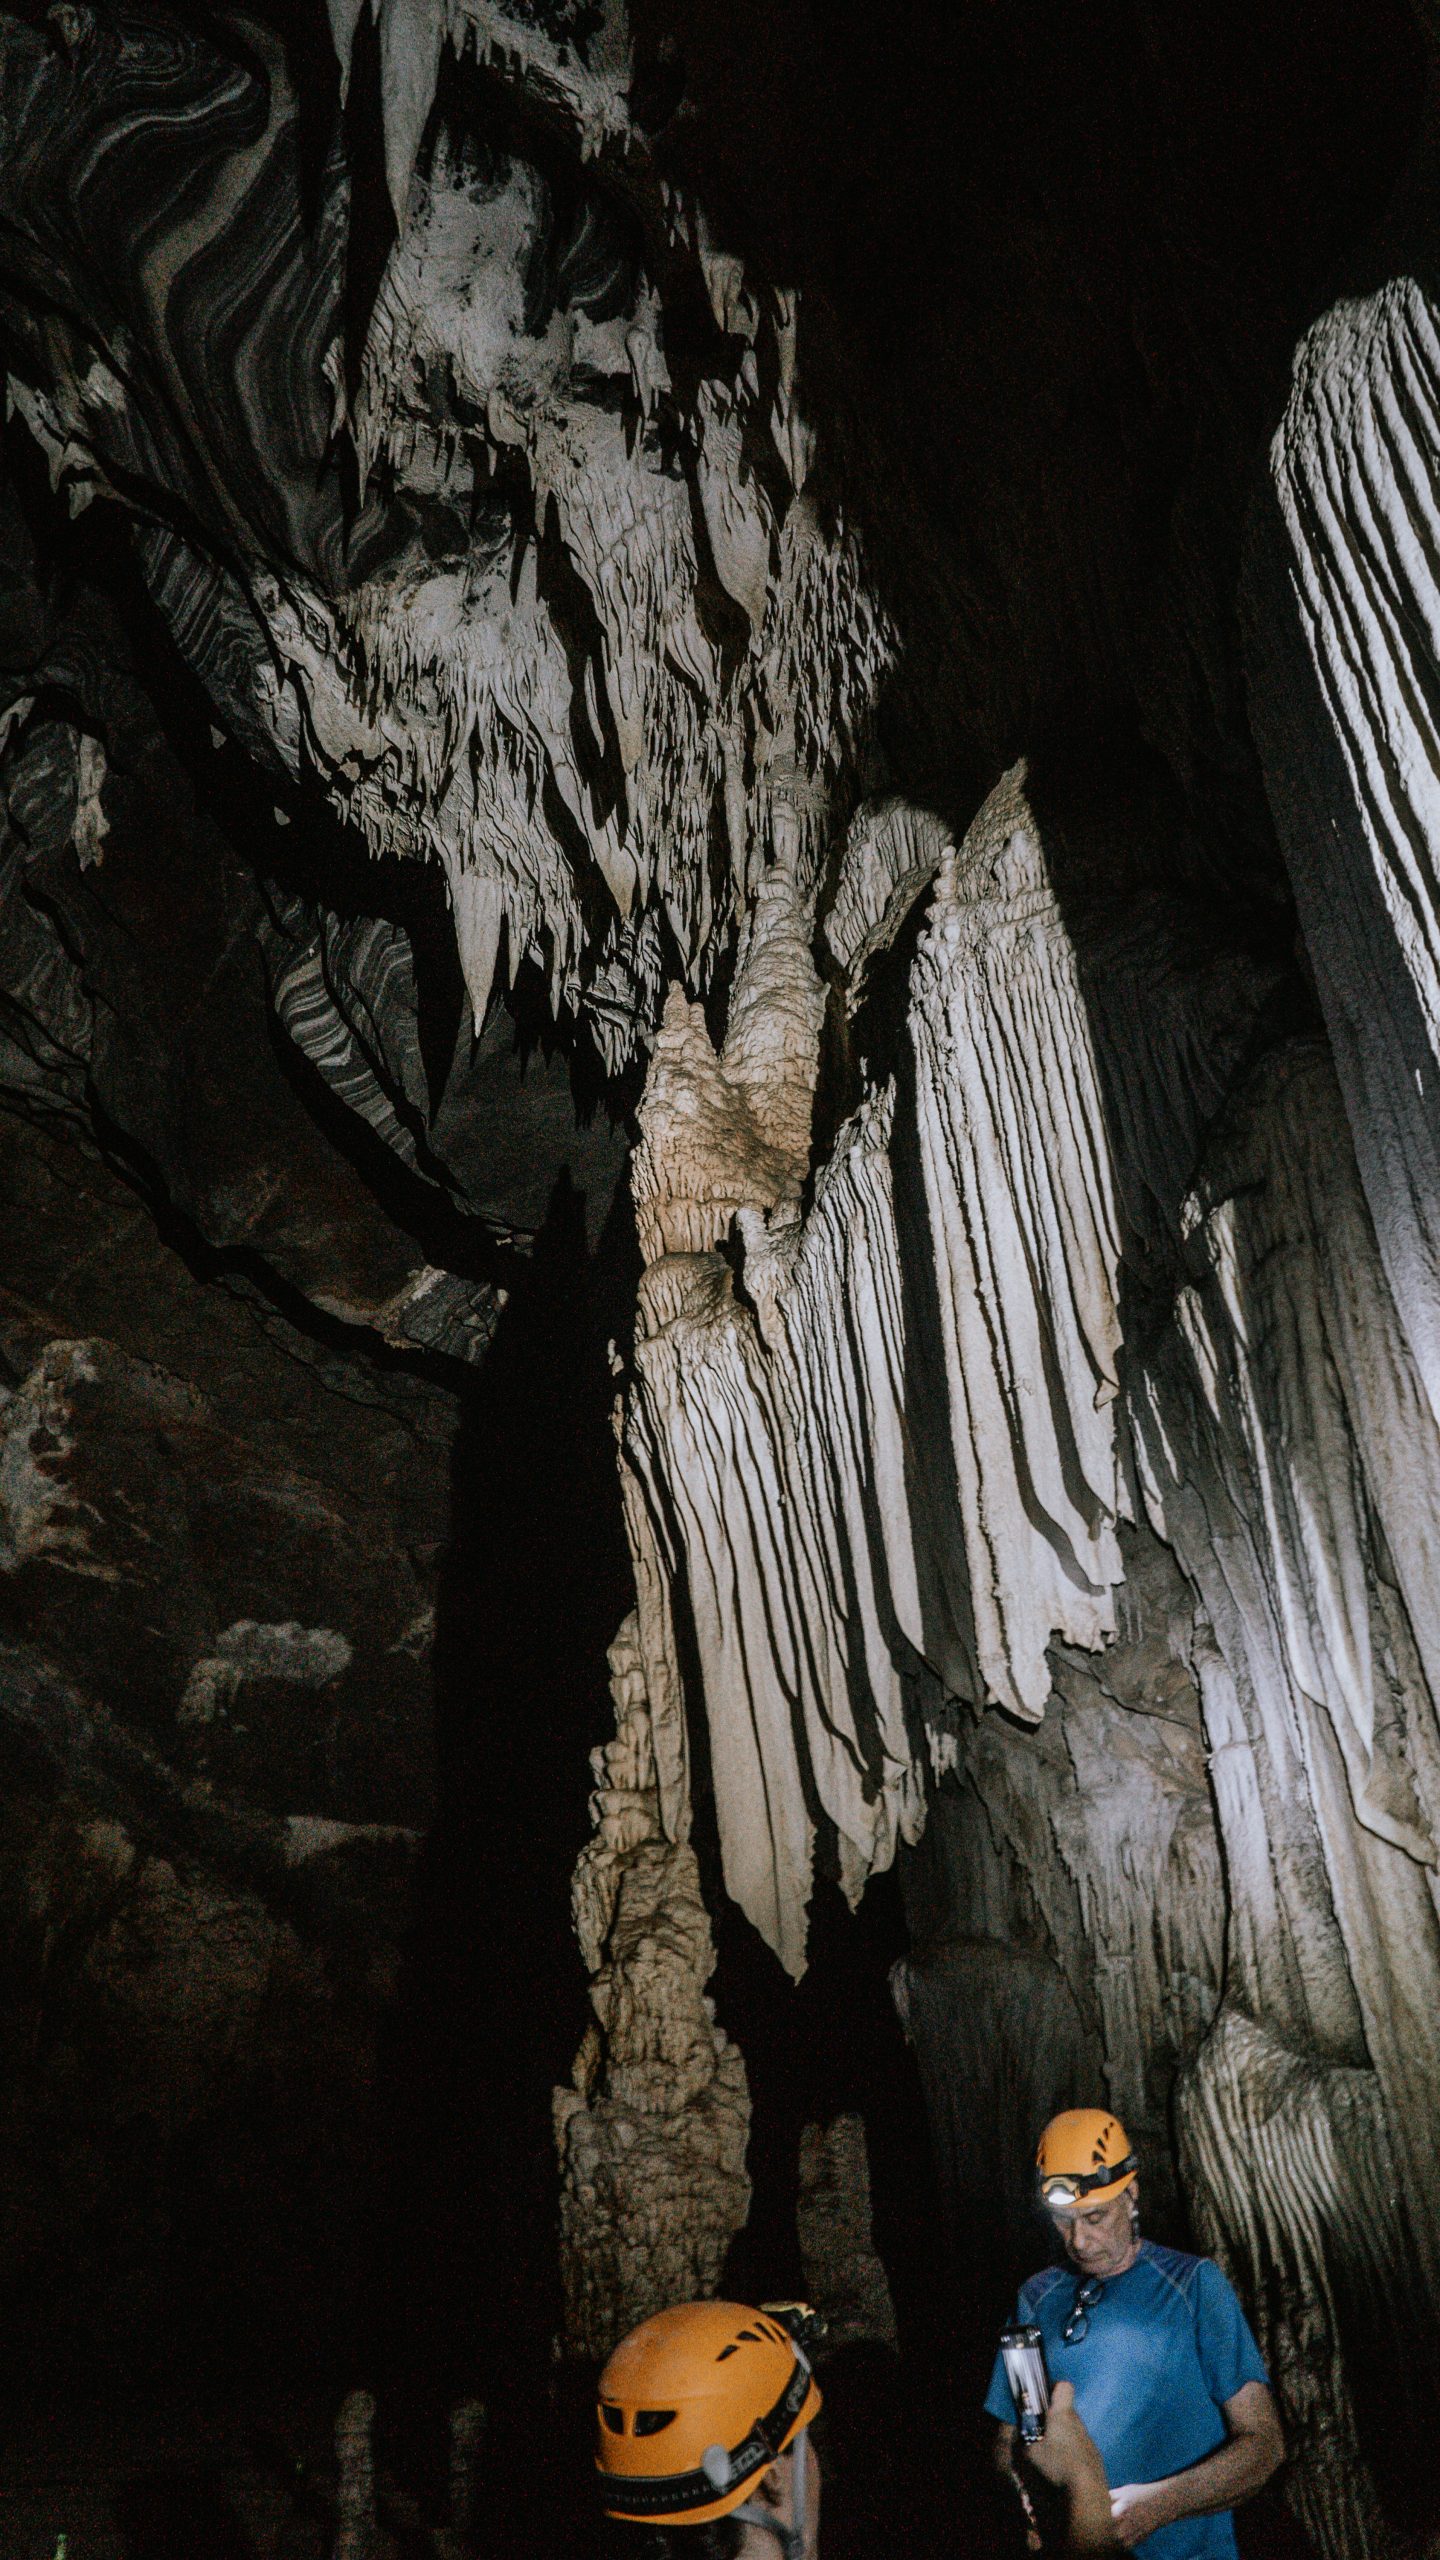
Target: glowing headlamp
{"points": [[1072, 2187]]}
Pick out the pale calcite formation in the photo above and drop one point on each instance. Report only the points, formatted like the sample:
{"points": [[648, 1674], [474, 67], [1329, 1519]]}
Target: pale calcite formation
{"points": [[1026, 1244], [652, 2133], [767, 1433], [1311, 2212], [1292, 1456], [1344, 614], [514, 664], [722, 1134], [891, 853], [574, 800], [842, 1508], [588, 84]]}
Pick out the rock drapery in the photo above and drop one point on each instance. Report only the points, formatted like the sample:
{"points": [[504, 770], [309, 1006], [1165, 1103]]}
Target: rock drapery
{"points": [[758, 1461], [829, 1551], [1344, 635], [1018, 1191]]}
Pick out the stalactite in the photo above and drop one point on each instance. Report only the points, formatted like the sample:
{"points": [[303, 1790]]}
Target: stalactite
{"points": [[1020, 1197], [774, 1471], [444, 710], [1344, 629], [1290, 1455], [504, 665]]}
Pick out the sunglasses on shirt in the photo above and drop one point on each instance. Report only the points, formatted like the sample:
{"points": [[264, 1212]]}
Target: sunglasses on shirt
{"points": [[1078, 2322]]}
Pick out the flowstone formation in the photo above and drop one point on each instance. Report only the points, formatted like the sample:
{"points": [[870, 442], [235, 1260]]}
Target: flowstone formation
{"points": [[627, 713]]}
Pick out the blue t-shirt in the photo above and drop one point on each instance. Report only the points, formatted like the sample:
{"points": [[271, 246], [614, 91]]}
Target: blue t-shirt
{"points": [[1167, 2345]]}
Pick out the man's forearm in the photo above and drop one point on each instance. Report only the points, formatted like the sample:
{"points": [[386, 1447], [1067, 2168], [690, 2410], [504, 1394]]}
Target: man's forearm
{"points": [[1225, 2478]]}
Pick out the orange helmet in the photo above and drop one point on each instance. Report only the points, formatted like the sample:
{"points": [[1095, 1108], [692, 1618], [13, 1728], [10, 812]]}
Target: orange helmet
{"points": [[1085, 2158], [693, 2406]]}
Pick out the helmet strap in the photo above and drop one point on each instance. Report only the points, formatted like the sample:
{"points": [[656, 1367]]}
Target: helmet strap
{"points": [[791, 2537]]}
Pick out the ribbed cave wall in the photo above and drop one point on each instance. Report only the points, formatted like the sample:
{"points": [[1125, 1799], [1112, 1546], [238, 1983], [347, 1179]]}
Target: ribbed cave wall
{"points": [[844, 606]]}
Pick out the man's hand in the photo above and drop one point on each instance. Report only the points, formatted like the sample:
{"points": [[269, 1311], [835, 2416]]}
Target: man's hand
{"points": [[1066, 2451], [1140, 2508], [1254, 2447], [1067, 2457]]}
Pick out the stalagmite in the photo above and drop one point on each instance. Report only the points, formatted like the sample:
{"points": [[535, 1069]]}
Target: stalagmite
{"points": [[844, 2276], [652, 2133], [357, 2534]]}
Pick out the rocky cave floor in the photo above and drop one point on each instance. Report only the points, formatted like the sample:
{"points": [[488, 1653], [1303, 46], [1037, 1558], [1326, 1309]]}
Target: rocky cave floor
{"points": [[254, 2478]]}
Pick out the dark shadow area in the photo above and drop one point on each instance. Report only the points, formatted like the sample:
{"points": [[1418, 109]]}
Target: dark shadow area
{"points": [[533, 1587], [1055, 266], [894, 2439], [175, 2514]]}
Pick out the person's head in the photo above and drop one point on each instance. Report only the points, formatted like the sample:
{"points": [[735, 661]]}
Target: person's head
{"points": [[1089, 2185], [702, 2421]]}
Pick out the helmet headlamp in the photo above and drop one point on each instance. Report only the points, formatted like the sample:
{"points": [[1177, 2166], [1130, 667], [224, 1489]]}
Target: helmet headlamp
{"points": [[1071, 2187]]}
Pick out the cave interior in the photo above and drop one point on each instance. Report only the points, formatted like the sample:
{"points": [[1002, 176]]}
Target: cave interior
{"points": [[720, 1189]]}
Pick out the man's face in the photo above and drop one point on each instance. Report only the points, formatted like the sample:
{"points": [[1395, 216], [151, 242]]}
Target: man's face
{"points": [[1100, 2239]]}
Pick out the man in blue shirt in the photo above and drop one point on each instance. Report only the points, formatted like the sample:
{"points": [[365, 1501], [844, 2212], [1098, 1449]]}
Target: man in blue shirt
{"points": [[1167, 2377]]}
